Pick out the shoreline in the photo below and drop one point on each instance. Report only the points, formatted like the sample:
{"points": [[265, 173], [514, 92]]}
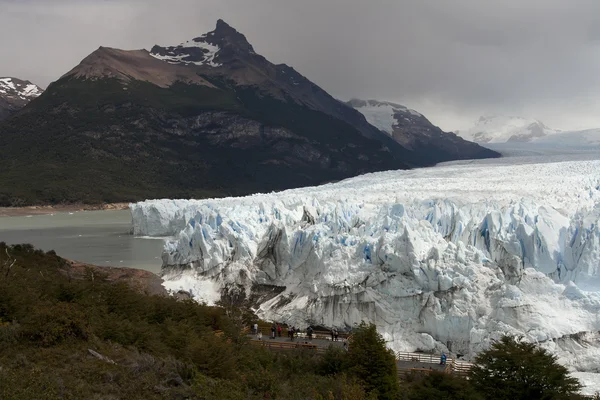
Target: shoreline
{"points": [[141, 280], [45, 210]]}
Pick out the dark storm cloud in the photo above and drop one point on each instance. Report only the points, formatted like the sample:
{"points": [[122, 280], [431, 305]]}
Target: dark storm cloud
{"points": [[452, 60]]}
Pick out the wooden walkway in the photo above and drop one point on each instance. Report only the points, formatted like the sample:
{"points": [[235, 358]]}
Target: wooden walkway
{"points": [[407, 363], [426, 363]]}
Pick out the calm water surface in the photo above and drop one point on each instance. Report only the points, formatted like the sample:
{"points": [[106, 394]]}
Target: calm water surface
{"points": [[95, 237]]}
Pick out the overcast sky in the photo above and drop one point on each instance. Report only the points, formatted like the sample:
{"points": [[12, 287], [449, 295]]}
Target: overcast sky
{"points": [[453, 60]]}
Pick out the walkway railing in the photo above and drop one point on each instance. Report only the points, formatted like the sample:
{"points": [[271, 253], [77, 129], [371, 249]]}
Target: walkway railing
{"points": [[325, 335], [453, 366], [287, 345]]}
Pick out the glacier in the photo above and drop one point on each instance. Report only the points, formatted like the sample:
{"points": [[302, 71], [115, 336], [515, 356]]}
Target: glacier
{"points": [[446, 258]]}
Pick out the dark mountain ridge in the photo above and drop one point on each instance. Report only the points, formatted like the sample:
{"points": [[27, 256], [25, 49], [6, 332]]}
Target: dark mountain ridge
{"points": [[207, 118]]}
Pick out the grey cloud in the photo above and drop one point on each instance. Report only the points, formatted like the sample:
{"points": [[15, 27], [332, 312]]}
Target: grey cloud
{"points": [[453, 60]]}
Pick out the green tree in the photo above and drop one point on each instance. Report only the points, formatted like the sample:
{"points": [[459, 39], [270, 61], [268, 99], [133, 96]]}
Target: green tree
{"points": [[334, 361], [440, 386], [513, 369], [372, 363]]}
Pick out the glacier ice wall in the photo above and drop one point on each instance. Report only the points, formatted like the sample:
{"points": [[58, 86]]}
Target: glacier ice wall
{"points": [[439, 258]]}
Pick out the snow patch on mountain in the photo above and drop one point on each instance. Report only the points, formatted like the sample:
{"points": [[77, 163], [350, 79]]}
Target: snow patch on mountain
{"points": [[500, 129], [178, 54], [444, 258], [16, 88], [382, 115]]}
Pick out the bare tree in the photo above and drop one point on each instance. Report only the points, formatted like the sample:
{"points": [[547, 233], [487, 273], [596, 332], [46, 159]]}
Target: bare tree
{"points": [[7, 264]]}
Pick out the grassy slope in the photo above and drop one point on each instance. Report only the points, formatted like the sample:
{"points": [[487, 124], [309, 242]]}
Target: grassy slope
{"points": [[161, 348], [93, 142]]}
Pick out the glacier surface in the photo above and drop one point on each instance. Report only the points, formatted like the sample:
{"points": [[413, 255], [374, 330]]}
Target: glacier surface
{"points": [[440, 259]]}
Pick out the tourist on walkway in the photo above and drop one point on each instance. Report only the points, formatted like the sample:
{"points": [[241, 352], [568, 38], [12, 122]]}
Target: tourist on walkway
{"points": [[259, 335], [255, 328], [292, 332], [273, 332], [332, 334], [309, 331], [443, 359], [278, 330], [335, 335]]}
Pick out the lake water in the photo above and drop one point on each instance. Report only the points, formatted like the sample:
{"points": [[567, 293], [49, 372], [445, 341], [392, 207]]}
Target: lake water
{"points": [[95, 237]]}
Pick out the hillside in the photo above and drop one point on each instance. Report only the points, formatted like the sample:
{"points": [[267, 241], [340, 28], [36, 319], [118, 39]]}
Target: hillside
{"points": [[415, 132], [16, 94], [125, 126], [72, 334], [207, 118]]}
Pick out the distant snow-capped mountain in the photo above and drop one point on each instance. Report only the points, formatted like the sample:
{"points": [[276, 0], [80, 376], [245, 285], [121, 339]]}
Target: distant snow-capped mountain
{"points": [[412, 130], [15, 94], [383, 114], [587, 137], [501, 129]]}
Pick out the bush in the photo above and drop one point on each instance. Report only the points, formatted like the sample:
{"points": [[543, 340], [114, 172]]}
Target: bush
{"points": [[334, 361], [53, 324], [10, 333], [513, 369], [440, 386]]}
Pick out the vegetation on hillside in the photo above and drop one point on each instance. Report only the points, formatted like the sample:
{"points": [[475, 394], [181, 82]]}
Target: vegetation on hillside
{"points": [[90, 338], [98, 141], [74, 336]]}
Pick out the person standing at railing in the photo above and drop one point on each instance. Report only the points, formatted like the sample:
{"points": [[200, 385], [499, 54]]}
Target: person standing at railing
{"points": [[309, 331], [273, 331], [278, 330], [443, 359], [255, 328]]}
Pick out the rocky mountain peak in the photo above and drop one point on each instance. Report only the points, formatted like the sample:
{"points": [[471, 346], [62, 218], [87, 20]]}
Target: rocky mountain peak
{"points": [[128, 65], [15, 94], [502, 128], [212, 49], [17, 88]]}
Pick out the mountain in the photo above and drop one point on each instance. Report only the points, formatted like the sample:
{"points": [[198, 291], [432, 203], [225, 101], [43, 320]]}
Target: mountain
{"points": [[15, 94], [415, 132], [445, 258], [585, 138], [207, 118], [500, 129], [225, 54]]}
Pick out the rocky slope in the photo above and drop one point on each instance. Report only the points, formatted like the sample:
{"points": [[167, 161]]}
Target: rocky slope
{"points": [[16, 94], [501, 129], [415, 132]]}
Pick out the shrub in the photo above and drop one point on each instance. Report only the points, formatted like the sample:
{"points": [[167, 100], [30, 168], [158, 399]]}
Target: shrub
{"points": [[440, 386], [372, 363], [513, 369]]}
